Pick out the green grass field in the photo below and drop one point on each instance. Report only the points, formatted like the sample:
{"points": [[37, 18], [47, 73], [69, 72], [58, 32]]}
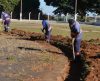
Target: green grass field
{"points": [[89, 31]]}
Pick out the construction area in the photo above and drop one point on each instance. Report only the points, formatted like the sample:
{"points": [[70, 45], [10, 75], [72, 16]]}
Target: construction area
{"points": [[25, 56]]}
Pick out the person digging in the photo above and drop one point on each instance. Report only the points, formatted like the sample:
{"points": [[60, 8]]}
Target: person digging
{"points": [[46, 29], [5, 20], [76, 35]]}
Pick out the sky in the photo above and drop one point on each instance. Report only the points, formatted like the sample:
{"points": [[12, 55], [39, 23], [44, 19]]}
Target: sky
{"points": [[46, 9], [49, 9]]}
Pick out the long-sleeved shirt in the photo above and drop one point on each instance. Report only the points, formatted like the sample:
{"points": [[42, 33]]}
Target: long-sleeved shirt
{"points": [[75, 28], [5, 16], [46, 25]]}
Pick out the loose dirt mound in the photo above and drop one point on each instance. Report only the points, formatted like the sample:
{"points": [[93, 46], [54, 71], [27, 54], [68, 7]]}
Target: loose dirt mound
{"points": [[90, 49], [92, 54]]}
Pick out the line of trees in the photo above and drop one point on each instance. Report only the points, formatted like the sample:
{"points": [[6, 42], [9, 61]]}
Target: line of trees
{"points": [[68, 6], [14, 7], [63, 7], [8, 5]]}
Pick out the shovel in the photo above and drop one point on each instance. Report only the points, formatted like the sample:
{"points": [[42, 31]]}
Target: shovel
{"points": [[73, 48]]}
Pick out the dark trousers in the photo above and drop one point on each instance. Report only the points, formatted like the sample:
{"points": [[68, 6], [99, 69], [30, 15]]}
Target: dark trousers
{"points": [[77, 44], [47, 35], [6, 25]]}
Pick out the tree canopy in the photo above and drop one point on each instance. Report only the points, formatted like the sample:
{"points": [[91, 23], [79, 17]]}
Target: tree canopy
{"points": [[68, 6], [8, 5], [31, 6], [14, 6], [63, 7]]}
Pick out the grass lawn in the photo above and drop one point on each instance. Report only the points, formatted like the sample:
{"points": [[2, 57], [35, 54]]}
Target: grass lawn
{"points": [[89, 31]]}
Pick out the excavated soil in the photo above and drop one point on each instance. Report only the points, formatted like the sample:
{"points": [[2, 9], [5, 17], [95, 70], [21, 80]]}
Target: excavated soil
{"points": [[92, 54], [25, 56]]}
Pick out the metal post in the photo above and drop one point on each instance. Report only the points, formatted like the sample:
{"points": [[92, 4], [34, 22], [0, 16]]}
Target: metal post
{"points": [[95, 18], [48, 16], [66, 17], [39, 16], [21, 10], [29, 15], [86, 18], [75, 9]]}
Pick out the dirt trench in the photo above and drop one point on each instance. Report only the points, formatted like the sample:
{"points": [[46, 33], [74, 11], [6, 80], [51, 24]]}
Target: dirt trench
{"points": [[74, 71]]}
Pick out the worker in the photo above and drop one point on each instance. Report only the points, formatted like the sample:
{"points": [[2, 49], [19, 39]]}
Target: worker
{"points": [[5, 21], [76, 34], [46, 29]]}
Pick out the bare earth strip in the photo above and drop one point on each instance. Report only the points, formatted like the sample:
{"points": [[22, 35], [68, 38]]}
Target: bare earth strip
{"points": [[25, 60]]}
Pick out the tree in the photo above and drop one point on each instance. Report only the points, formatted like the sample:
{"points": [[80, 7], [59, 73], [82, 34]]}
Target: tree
{"points": [[27, 7], [8, 5], [14, 6], [68, 6], [31, 6]]}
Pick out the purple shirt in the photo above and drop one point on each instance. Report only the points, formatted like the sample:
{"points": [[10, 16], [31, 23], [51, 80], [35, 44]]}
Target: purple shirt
{"points": [[4, 16], [45, 24], [75, 28]]}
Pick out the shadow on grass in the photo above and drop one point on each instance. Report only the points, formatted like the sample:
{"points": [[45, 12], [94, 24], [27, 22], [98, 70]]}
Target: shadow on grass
{"points": [[54, 52], [29, 48], [35, 49]]}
